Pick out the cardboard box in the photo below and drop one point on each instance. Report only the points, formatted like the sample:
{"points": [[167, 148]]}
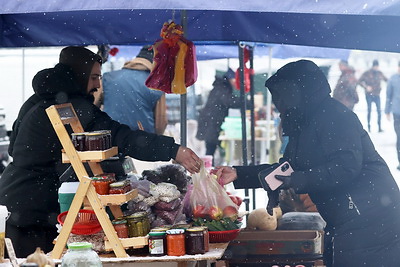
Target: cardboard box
{"points": [[278, 242]]}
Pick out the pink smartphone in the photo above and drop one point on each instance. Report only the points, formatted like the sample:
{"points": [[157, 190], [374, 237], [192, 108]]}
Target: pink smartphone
{"points": [[284, 169]]}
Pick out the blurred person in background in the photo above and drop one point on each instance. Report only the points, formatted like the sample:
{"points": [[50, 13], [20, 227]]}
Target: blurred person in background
{"points": [[128, 100], [212, 115], [371, 82], [393, 106], [345, 90]]}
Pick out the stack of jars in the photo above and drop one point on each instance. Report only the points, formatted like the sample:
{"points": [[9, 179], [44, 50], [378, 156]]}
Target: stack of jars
{"points": [[178, 241], [88, 141]]}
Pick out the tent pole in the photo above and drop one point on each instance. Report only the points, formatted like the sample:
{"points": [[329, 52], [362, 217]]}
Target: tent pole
{"points": [[269, 106], [184, 96], [243, 115]]}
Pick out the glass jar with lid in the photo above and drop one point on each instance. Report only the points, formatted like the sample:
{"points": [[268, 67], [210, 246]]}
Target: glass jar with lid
{"points": [[176, 242], [79, 140], [139, 224], [81, 254], [157, 243], [94, 141], [194, 241], [121, 227]]}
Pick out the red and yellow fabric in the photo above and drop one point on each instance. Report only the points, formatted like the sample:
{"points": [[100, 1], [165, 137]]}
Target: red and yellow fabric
{"points": [[174, 62]]}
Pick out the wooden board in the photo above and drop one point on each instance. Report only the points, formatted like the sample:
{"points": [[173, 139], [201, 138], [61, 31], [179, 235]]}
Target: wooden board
{"points": [[132, 242], [118, 199], [93, 156]]}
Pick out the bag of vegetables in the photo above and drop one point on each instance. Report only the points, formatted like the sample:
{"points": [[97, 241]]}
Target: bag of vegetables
{"points": [[209, 200]]}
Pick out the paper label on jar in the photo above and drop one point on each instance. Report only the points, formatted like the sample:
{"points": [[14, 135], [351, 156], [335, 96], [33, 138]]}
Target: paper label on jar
{"points": [[156, 246]]}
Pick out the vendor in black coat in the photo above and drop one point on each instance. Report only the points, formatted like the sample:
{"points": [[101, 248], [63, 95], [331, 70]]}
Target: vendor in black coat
{"points": [[28, 186], [335, 162]]}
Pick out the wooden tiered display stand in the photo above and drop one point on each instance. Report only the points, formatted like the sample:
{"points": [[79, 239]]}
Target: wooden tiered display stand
{"points": [[63, 114]]}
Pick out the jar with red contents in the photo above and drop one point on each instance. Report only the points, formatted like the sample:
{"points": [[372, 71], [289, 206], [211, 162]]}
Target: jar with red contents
{"points": [[121, 187], [176, 242], [102, 185], [121, 227]]}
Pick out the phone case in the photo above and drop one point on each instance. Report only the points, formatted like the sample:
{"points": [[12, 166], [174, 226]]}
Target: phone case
{"points": [[267, 177]]}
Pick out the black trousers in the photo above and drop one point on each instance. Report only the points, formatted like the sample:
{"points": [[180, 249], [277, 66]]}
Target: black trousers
{"points": [[26, 239]]}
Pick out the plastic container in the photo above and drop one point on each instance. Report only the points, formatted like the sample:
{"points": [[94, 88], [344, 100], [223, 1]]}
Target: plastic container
{"points": [[86, 222], [66, 194], [4, 214], [223, 236], [80, 254]]}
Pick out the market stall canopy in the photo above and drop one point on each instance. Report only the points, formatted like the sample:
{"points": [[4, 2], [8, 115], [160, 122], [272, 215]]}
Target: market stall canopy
{"points": [[213, 51], [366, 25]]}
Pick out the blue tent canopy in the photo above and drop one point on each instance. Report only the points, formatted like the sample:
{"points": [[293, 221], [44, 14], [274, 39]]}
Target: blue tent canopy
{"points": [[344, 24], [207, 52]]}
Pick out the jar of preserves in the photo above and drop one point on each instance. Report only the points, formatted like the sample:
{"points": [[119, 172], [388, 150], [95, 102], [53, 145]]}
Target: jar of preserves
{"points": [[79, 140], [138, 224], [102, 185], [94, 141], [194, 241], [176, 242], [121, 227], [81, 254], [157, 243], [119, 188], [206, 239]]}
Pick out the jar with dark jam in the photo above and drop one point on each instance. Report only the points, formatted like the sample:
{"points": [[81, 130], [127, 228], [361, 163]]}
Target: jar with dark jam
{"points": [[176, 242], [94, 141], [78, 140], [194, 241], [157, 243], [121, 227], [206, 239]]}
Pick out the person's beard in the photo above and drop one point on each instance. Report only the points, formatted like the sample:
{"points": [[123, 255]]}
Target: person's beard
{"points": [[292, 119]]}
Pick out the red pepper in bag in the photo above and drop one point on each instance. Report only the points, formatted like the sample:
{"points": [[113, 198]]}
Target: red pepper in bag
{"points": [[174, 62]]}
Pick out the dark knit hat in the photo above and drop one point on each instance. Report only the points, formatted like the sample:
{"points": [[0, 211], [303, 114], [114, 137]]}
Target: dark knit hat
{"points": [[375, 63], [229, 74], [147, 53], [81, 60]]}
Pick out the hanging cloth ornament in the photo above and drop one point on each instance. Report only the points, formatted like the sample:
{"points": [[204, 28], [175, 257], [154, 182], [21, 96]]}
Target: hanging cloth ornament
{"points": [[247, 72], [174, 61]]}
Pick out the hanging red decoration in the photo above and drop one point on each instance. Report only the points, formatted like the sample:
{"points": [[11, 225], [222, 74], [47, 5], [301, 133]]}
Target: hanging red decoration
{"points": [[247, 72], [174, 62], [113, 51]]}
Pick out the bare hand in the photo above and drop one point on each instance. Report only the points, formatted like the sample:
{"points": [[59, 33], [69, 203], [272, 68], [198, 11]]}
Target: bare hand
{"points": [[188, 159], [225, 174], [388, 117]]}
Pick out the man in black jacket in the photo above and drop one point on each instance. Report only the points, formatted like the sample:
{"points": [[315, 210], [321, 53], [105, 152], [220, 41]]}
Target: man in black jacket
{"points": [[335, 162], [28, 186]]}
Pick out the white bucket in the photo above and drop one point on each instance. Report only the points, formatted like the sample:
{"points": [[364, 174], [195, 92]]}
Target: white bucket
{"points": [[4, 214], [66, 194]]}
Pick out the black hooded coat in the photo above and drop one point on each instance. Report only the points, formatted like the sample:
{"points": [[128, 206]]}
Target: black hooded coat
{"points": [[28, 186], [335, 162]]}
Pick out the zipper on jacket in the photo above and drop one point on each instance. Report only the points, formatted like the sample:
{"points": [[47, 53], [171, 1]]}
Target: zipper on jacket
{"points": [[352, 205]]}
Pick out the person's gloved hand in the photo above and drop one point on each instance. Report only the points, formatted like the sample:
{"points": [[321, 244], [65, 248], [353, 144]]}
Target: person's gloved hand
{"points": [[273, 201], [286, 181]]}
